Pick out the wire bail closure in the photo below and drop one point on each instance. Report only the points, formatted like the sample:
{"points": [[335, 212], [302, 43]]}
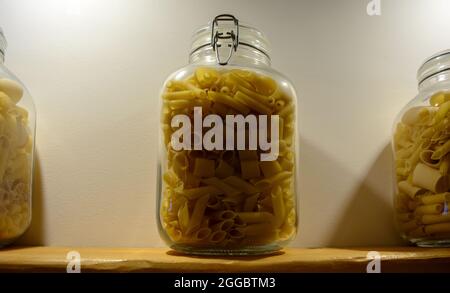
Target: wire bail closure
{"points": [[217, 37]]}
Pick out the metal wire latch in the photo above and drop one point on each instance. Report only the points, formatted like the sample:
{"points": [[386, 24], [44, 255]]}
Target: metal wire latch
{"points": [[231, 36]]}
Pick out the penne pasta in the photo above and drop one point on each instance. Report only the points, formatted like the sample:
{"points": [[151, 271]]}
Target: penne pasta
{"points": [[241, 185], [256, 217], [229, 198], [198, 214]]}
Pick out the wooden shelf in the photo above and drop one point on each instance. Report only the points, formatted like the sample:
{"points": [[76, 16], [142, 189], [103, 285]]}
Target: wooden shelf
{"points": [[393, 259]]}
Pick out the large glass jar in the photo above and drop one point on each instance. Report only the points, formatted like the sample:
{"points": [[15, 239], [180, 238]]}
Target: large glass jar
{"points": [[17, 130], [228, 158], [421, 143]]}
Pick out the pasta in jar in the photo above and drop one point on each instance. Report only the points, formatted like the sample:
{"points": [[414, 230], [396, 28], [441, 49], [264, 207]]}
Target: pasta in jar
{"points": [[228, 159], [421, 145], [16, 154]]}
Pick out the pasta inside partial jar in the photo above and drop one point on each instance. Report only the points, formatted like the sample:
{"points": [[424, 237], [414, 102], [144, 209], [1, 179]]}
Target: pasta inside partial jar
{"points": [[228, 164], [421, 145], [17, 130], [227, 199]]}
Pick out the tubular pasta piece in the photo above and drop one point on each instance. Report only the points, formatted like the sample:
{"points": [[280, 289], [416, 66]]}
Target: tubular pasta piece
{"points": [[224, 225], [202, 234], [174, 234], [194, 193], [191, 181], [413, 160], [250, 203], [206, 77], [426, 158], [220, 184], [428, 133], [445, 165], [238, 222], [412, 191], [263, 230], [213, 203], [441, 112], [241, 185], [251, 103], [262, 84], [269, 182], [204, 167], [435, 198], [223, 215], [437, 228], [429, 209], [255, 96], [286, 164], [291, 217], [233, 201], [434, 219], [256, 217], [224, 170], [441, 151], [171, 179], [286, 110], [429, 178], [439, 98], [217, 237], [420, 115], [270, 168], [180, 161], [183, 217], [236, 233], [197, 214], [238, 78], [250, 169], [230, 102], [186, 95], [279, 208]]}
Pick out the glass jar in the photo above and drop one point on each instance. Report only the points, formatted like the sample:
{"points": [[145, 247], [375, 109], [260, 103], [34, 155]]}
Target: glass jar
{"points": [[228, 158], [421, 144], [17, 131]]}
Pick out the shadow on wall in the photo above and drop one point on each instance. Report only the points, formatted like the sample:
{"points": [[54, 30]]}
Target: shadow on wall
{"points": [[331, 213], [368, 219], [35, 234]]}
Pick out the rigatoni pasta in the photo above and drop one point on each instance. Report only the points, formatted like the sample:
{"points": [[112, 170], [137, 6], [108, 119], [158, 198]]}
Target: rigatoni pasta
{"points": [[422, 152], [230, 198]]}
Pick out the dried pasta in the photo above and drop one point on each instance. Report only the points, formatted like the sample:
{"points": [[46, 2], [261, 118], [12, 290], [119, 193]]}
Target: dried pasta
{"points": [[422, 151], [15, 162], [228, 198]]}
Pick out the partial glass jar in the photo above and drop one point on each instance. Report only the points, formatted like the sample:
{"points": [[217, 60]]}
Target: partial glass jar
{"points": [[228, 151], [17, 131], [421, 143]]}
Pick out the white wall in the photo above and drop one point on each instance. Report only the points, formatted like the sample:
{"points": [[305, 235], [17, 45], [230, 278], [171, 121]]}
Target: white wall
{"points": [[95, 68]]}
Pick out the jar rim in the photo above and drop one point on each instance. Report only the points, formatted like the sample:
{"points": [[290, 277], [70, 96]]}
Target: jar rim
{"points": [[434, 65], [249, 36]]}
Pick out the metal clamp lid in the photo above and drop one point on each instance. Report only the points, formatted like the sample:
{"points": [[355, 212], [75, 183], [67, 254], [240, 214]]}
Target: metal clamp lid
{"points": [[217, 37]]}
